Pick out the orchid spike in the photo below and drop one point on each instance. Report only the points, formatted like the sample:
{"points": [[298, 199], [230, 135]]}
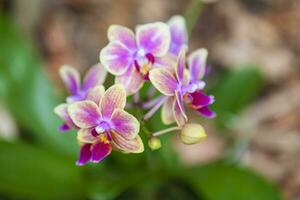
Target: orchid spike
{"points": [[130, 56], [105, 126]]}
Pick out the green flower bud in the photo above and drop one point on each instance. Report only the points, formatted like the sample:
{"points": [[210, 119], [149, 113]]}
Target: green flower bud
{"points": [[154, 143], [192, 133]]}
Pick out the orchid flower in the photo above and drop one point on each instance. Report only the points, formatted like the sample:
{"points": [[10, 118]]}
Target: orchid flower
{"points": [[130, 56], [95, 76], [105, 125], [183, 87]]}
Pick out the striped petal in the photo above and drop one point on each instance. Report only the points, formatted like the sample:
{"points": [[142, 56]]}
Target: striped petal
{"points": [[114, 97], [96, 94], [123, 35], [100, 151], [153, 38], [85, 114], [131, 80], [62, 111], [95, 76], [166, 112], [197, 64], [85, 154], [179, 36], [178, 113], [71, 78], [127, 146], [181, 65], [164, 81], [125, 124], [116, 58]]}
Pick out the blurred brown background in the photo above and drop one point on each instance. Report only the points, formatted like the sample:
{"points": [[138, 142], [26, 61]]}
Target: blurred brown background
{"points": [[261, 32]]}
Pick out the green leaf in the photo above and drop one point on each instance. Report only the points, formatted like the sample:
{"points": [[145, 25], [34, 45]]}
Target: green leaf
{"points": [[27, 91], [220, 181], [27, 172], [235, 91]]}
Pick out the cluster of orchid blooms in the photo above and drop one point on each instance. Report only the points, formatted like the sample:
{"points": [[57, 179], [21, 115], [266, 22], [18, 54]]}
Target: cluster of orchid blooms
{"points": [[156, 52]]}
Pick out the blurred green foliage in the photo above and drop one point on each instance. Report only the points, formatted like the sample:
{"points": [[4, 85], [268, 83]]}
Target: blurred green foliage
{"points": [[42, 164]]}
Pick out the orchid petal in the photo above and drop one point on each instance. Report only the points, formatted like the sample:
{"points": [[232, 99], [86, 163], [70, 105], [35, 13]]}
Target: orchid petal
{"points": [[123, 35], [86, 136], [85, 154], [179, 116], [197, 64], [127, 146], [96, 94], [62, 111], [71, 78], [164, 81], [179, 36], [181, 65], [114, 97], [131, 80], [199, 99], [207, 112], [100, 151], [166, 112], [153, 38], [85, 114], [116, 58], [95, 76], [125, 124]]}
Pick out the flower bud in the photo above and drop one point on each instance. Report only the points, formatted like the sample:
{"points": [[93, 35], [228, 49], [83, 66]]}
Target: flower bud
{"points": [[192, 133], [154, 143]]}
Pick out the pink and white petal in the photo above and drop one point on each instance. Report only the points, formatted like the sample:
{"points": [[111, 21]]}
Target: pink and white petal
{"points": [[127, 146], [62, 111], [153, 38], [100, 151], [125, 124], [206, 112], [197, 64], [86, 136], [96, 94], [85, 154], [116, 58], [131, 80], [179, 36], [95, 76], [179, 116], [85, 114], [165, 61], [71, 78], [114, 97], [164, 81], [180, 67], [123, 35], [179, 99], [166, 112]]}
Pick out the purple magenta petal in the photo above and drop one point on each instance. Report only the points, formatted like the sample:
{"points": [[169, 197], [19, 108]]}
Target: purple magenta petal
{"points": [[153, 38], [199, 99], [100, 150], [116, 58], [164, 81], [95, 76], [71, 78], [207, 112], [123, 35], [85, 114], [179, 36], [62, 111], [85, 154], [197, 64]]}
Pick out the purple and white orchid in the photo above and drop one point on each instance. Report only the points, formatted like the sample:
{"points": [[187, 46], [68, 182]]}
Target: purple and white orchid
{"points": [[183, 87], [95, 76], [131, 56], [105, 125]]}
